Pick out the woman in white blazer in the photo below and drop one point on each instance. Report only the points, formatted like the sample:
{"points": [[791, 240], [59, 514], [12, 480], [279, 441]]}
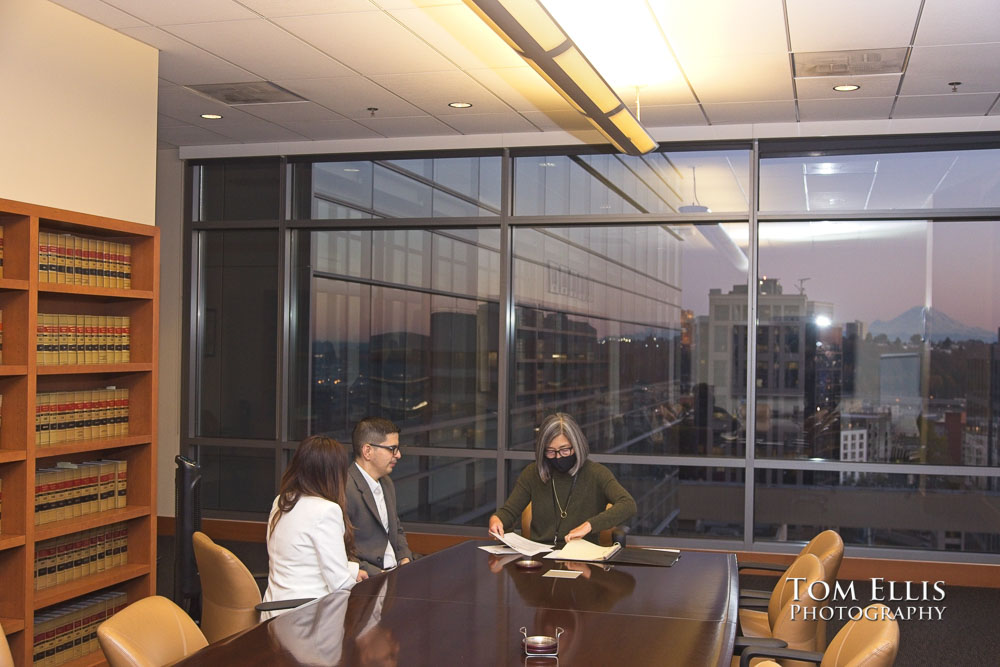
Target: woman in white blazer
{"points": [[309, 537]]}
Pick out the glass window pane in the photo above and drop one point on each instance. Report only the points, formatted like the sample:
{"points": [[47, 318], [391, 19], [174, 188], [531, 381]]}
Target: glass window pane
{"points": [[606, 184], [237, 479], [933, 512], [444, 489], [238, 190], [879, 181], [888, 333], [238, 323], [613, 326]]}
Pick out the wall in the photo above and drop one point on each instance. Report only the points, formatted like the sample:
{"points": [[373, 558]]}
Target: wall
{"points": [[77, 113]]}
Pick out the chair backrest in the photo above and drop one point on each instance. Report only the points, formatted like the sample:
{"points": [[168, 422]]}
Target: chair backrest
{"points": [[229, 592], [604, 537], [6, 659], [871, 640], [150, 632], [791, 611], [829, 548]]}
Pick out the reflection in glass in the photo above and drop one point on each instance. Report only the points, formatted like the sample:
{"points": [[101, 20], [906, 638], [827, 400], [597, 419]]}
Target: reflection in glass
{"points": [[238, 479], [612, 327], [400, 324], [933, 512], [440, 489], [881, 342], [664, 183], [879, 181]]}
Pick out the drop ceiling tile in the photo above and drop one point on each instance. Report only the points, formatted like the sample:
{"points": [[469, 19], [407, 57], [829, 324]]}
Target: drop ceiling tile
{"points": [[490, 123], [669, 116], [753, 78], [102, 12], [568, 120], [862, 108], [407, 4], [821, 87], [716, 28], [330, 129], [432, 91], [953, 104], [417, 126], [186, 105], [168, 13], [932, 67], [351, 96], [751, 112], [850, 24], [664, 94], [184, 64], [995, 110], [190, 135], [521, 87], [163, 120], [286, 112], [277, 8], [368, 42], [262, 48], [941, 23], [461, 36]]}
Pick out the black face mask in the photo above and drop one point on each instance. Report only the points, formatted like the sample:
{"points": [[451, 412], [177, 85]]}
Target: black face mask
{"points": [[563, 464]]}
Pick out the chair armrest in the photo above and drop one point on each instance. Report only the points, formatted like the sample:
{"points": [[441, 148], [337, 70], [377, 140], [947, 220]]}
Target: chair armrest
{"points": [[750, 593], [619, 535], [758, 651], [753, 603], [741, 643], [769, 567], [278, 605]]}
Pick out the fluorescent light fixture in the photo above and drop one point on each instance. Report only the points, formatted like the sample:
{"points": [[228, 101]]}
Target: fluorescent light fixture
{"points": [[211, 116], [531, 31], [847, 87]]}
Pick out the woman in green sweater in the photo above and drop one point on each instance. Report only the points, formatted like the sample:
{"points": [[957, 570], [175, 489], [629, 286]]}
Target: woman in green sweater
{"points": [[569, 495]]}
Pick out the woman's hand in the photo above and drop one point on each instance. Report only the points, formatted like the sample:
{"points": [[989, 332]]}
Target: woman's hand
{"points": [[362, 575], [496, 526], [582, 530]]}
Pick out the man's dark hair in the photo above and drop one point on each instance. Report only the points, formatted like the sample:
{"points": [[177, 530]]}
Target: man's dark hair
{"points": [[371, 430]]}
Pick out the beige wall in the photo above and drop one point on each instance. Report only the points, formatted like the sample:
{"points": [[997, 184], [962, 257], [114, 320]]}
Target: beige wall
{"points": [[170, 220], [77, 113]]}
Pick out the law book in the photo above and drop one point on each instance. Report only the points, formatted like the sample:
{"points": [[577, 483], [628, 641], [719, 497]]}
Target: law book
{"points": [[60, 257], [584, 550], [64, 322], [43, 257], [127, 279], [79, 339], [121, 484]]}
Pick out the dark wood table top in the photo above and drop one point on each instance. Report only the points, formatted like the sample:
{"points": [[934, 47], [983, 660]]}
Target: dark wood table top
{"points": [[464, 606]]}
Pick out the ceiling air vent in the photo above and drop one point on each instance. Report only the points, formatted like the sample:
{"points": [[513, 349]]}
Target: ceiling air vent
{"points": [[253, 92], [850, 63]]}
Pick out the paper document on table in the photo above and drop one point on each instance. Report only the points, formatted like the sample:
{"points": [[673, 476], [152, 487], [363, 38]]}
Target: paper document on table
{"points": [[498, 550], [584, 550], [522, 545], [563, 574]]}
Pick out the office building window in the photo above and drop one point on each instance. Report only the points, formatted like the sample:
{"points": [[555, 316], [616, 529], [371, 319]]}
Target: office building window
{"points": [[237, 190], [445, 489]]}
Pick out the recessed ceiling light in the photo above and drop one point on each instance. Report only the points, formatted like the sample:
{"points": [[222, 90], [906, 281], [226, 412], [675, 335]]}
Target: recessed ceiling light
{"points": [[846, 88], [351, 169], [211, 116], [460, 105], [546, 164]]}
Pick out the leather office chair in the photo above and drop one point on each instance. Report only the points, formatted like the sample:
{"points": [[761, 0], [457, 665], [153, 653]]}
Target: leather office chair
{"points": [[229, 592], [795, 626], [862, 641], [605, 537], [6, 659], [829, 548], [150, 632]]}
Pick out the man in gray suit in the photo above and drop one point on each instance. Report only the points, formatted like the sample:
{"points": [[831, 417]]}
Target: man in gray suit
{"points": [[379, 539]]}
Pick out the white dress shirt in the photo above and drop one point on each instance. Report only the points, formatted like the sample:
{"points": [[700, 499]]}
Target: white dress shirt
{"points": [[389, 559], [306, 552]]}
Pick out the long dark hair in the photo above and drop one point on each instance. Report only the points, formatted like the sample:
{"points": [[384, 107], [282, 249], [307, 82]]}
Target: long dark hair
{"points": [[318, 468]]}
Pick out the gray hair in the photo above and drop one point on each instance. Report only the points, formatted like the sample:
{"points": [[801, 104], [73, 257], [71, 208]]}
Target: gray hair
{"points": [[551, 427]]}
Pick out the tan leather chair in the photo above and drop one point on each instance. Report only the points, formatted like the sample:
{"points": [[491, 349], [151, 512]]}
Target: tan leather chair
{"points": [[606, 537], [786, 618], [6, 659], [150, 632], [229, 592], [871, 639]]}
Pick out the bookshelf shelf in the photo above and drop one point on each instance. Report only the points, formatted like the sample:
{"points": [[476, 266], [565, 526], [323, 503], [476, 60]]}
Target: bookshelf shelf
{"points": [[89, 584], [10, 541], [42, 244], [47, 531]]}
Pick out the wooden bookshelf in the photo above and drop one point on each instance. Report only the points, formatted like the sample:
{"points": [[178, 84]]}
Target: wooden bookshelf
{"points": [[24, 293]]}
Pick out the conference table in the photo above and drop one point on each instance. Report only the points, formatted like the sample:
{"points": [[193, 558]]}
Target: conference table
{"points": [[464, 606]]}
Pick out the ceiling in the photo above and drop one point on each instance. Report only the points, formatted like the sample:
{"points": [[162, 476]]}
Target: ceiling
{"points": [[410, 58]]}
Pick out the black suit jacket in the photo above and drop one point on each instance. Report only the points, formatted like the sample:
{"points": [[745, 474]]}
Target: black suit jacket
{"points": [[370, 537]]}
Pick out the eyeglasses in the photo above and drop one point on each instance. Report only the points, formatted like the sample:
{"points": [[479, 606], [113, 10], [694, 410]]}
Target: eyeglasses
{"points": [[561, 453], [392, 448]]}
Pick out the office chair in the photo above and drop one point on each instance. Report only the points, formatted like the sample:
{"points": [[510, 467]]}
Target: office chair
{"points": [[871, 639], [6, 659], [230, 597], [793, 626], [828, 547], [605, 537], [150, 632]]}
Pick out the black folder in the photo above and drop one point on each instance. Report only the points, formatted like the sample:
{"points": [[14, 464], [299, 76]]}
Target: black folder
{"points": [[635, 556]]}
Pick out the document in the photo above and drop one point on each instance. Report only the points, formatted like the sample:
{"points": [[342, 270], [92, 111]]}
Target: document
{"points": [[522, 545], [498, 550], [563, 574], [584, 550]]}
